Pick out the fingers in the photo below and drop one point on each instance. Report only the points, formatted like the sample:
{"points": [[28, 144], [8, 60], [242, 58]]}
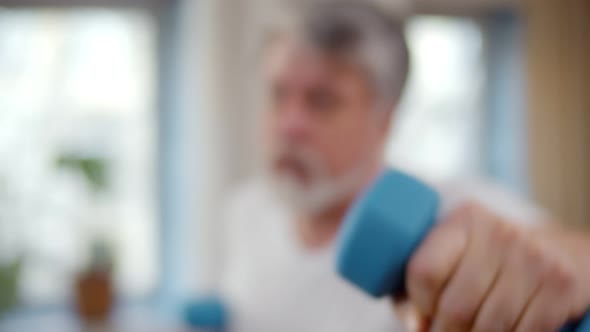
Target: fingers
{"points": [[433, 264], [517, 282], [549, 309], [476, 274]]}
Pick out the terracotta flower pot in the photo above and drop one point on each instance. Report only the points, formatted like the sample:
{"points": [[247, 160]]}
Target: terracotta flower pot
{"points": [[94, 295]]}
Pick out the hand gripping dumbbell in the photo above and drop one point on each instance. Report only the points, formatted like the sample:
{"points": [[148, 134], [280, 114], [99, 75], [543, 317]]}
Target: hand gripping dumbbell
{"points": [[382, 230]]}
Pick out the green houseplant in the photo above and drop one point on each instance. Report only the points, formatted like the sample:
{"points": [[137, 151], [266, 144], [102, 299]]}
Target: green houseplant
{"points": [[9, 277], [94, 287]]}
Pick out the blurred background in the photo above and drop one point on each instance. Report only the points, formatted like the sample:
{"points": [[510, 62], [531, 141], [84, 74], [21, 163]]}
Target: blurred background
{"points": [[125, 124]]}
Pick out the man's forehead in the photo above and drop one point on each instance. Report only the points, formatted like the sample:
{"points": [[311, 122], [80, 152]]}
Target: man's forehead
{"points": [[296, 61]]}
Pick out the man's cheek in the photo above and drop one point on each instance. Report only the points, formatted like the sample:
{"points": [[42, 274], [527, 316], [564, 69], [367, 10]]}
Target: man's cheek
{"points": [[344, 156]]}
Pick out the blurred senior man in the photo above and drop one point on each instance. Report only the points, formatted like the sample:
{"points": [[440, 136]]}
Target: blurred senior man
{"points": [[334, 75]]}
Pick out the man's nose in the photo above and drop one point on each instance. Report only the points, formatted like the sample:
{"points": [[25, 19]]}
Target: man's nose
{"points": [[294, 124]]}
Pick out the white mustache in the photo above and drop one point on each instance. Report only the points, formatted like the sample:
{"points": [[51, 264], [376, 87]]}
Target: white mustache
{"points": [[308, 160]]}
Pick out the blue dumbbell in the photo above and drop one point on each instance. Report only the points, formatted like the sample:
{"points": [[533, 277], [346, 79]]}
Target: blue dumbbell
{"points": [[207, 314], [382, 230]]}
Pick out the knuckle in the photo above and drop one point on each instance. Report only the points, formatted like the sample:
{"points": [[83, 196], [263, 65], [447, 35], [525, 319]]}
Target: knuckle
{"points": [[470, 208], [533, 252], [562, 276], [456, 312], [504, 233], [464, 214], [554, 271], [422, 272]]}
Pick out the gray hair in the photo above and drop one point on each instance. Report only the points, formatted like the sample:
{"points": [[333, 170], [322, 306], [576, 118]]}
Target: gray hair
{"points": [[357, 30]]}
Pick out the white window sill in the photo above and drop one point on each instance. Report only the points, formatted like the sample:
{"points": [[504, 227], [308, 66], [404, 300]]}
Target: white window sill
{"points": [[127, 319]]}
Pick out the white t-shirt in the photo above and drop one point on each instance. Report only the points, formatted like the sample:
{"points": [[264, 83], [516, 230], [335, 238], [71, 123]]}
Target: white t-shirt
{"points": [[273, 284]]}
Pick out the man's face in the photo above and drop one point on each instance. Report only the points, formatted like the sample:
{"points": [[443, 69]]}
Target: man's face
{"points": [[323, 131]]}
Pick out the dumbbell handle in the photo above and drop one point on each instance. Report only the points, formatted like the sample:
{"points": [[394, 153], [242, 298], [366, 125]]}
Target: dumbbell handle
{"points": [[383, 229]]}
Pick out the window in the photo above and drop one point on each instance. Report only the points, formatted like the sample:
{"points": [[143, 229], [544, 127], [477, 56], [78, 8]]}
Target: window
{"points": [[77, 146], [437, 131]]}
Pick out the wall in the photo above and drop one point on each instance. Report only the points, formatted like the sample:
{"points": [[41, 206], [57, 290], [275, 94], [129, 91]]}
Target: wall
{"points": [[558, 47]]}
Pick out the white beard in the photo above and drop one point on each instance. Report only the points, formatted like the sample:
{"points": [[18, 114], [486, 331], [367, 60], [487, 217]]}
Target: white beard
{"points": [[322, 193]]}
